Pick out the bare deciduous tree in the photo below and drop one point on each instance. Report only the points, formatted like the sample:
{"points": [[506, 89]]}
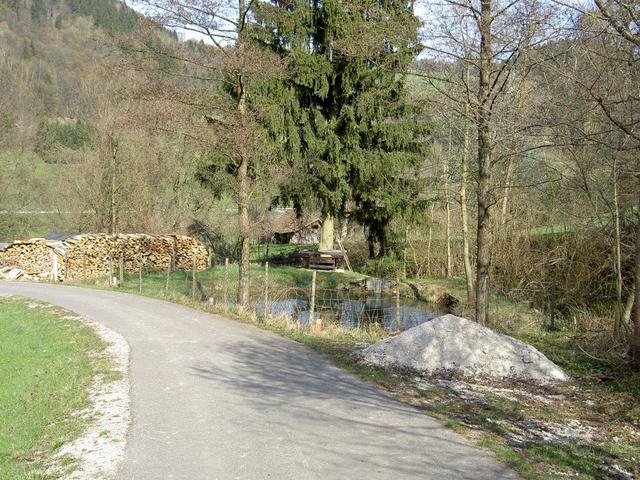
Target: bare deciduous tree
{"points": [[488, 39], [220, 70]]}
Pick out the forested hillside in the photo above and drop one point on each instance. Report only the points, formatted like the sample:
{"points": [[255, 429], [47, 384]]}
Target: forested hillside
{"points": [[60, 75]]}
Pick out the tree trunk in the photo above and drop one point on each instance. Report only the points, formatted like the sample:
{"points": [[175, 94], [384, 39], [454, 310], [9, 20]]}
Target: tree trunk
{"points": [[507, 191], [326, 235], [113, 154], [464, 174], [617, 328], [628, 307], [371, 243], [447, 205], [485, 151], [433, 206], [635, 339], [243, 208], [381, 234], [242, 176]]}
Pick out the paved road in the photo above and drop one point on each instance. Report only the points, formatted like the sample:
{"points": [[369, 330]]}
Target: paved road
{"points": [[216, 399]]}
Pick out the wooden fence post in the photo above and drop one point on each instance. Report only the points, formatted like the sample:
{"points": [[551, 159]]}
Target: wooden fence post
{"points": [[121, 270], [226, 280], [110, 271], [140, 275], [266, 288], [166, 285], [313, 298], [193, 278], [552, 308], [398, 326]]}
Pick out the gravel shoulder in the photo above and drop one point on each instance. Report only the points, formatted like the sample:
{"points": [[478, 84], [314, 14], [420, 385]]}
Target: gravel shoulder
{"points": [[216, 399], [99, 451]]}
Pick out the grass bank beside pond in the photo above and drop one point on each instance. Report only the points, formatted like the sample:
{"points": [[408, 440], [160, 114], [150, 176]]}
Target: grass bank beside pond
{"points": [[283, 280], [47, 365], [588, 429]]}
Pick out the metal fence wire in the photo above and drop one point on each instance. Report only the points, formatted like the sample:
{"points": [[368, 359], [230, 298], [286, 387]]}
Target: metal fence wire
{"points": [[310, 301], [350, 308]]}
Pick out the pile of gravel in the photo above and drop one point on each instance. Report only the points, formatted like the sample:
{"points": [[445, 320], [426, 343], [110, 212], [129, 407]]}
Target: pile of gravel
{"points": [[451, 345]]}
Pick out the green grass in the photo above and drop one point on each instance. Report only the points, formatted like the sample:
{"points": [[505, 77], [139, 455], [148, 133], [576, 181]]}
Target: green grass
{"points": [[283, 280], [47, 364], [257, 252]]}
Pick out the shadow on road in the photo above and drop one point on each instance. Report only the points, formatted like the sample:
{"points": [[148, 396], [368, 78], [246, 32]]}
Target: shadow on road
{"points": [[336, 420]]}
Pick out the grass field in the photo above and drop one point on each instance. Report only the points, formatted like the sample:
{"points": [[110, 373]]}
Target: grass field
{"points": [[47, 363]]}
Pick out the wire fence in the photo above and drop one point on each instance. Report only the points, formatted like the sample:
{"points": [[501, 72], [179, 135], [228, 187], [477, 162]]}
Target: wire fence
{"points": [[383, 304], [374, 304]]}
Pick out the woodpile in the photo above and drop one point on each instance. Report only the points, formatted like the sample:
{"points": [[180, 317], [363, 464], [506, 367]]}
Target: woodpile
{"points": [[13, 273], [95, 255], [34, 257]]}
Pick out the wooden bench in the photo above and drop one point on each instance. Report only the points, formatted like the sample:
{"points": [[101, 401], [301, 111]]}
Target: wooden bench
{"points": [[325, 260]]}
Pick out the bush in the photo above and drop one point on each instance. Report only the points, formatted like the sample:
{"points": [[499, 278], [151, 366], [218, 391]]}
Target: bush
{"points": [[388, 267]]}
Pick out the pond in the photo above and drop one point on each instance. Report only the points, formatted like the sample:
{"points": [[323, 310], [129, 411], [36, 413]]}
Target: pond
{"points": [[358, 310]]}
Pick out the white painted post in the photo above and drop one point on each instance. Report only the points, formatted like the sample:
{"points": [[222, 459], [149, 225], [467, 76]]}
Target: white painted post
{"points": [[54, 259]]}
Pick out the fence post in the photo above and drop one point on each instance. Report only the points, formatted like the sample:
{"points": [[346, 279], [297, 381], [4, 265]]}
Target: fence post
{"points": [[140, 275], [398, 326], [552, 309], [110, 271], [226, 280], [54, 260], [266, 288], [193, 278], [313, 298], [166, 285], [66, 266], [121, 268]]}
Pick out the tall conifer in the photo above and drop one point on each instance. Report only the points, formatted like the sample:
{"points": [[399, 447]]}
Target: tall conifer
{"points": [[347, 126]]}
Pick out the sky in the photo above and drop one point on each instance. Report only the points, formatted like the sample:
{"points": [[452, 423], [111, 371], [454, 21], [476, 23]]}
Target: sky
{"points": [[421, 12]]}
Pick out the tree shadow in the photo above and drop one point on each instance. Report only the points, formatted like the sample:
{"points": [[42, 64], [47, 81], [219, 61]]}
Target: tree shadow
{"points": [[348, 428]]}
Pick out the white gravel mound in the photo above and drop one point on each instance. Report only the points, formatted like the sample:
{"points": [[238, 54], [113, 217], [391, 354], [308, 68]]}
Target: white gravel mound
{"points": [[453, 345]]}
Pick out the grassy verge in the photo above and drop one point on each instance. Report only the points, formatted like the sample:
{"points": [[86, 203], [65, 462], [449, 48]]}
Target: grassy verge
{"points": [[587, 429], [275, 251], [47, 364]]}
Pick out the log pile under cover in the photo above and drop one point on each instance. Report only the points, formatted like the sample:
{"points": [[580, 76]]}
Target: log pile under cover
{"points": [[34, 257], [90, 255]]}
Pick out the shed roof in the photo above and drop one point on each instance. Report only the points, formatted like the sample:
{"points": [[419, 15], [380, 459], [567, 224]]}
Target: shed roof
{"points": [[60, 236], [286, 221]]}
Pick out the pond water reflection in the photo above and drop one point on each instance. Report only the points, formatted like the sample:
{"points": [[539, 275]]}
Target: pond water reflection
{"points": [[356, 311]]}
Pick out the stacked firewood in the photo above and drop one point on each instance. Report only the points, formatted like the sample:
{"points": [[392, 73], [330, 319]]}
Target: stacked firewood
{"points": [[96, 255], [34, 257]]}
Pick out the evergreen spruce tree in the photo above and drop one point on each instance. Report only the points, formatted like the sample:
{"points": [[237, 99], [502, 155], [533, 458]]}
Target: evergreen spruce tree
{"points": [[346, 124]]}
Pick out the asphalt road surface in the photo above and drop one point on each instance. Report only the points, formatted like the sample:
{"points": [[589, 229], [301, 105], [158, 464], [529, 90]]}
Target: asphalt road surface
{"points": [[216, 399]]}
